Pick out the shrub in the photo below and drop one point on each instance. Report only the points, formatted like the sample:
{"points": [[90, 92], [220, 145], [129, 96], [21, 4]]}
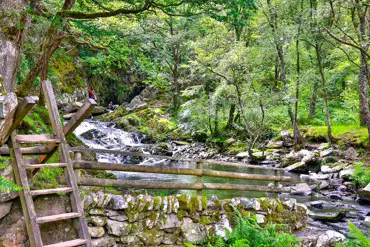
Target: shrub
{"points": [[247, 233]]}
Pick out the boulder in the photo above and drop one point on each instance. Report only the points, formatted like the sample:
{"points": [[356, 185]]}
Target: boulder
{"points": [[287, 138], [242, 155], [118, 228], [275, 144], [72, 107], [301, 189], [327, 217], [140, 101], [346, 174], [351, 154], [222, 227], [365, 193], [99, 110], [329, 238], [307, 158], [327, 152], [5, 209]]}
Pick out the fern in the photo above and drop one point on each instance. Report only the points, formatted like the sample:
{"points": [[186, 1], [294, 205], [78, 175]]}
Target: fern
{"points": [[358, 238], [7, 186]]}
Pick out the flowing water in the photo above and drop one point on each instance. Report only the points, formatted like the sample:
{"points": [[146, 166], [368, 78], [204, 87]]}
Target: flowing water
{"points": [[101, 135]]}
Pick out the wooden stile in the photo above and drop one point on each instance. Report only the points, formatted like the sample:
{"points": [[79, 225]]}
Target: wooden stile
{"points": [[21, 165]]}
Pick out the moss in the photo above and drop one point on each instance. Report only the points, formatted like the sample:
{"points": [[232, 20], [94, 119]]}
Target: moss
{"points": [[351, 134], [181, 214], [184, 201], [204, 220], [204, 202], [157, 203]]}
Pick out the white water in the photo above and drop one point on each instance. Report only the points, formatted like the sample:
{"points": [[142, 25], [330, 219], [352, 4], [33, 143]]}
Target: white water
{"points": [[102, 135]]}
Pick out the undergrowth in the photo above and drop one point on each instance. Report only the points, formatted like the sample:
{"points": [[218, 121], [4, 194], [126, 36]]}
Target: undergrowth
{"points": [[361, 175], [248, 233], [356, 237]]}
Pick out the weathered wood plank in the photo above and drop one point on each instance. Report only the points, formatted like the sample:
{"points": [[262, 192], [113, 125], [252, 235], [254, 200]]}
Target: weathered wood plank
{"points": [[27, 150], [36, 139], [71, 243], [57, 217], [179, 171], [51, 191]]}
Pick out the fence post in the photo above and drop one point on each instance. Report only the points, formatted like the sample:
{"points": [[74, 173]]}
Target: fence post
{"points": [[199, 177], [77, 157]]}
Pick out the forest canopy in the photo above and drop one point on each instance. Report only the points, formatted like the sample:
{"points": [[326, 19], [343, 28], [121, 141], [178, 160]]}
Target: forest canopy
{"points": [[244, 68]]}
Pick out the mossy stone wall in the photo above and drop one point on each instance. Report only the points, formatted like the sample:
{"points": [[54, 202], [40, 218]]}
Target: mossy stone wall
{"points": [[146, 220]]}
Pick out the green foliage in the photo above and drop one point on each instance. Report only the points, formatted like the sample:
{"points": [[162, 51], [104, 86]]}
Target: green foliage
{"points": [[248, 233], [357, 238], [7, 186], [361, 175]]}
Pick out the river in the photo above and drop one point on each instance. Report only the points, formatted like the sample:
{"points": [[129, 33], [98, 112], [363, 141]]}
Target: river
{"points": [[102, 135]]}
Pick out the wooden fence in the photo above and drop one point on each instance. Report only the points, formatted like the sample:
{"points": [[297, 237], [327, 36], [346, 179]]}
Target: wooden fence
{"points": [[199, 172]]}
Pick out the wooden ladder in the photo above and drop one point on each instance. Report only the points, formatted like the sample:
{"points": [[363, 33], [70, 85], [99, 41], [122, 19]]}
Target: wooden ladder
{"points": [[23, 166]]}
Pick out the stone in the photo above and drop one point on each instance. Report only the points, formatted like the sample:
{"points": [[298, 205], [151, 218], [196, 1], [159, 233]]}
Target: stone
{"points": [[323, 146], [118, 202], [342, 188], [5, 209], [242, 155], [118, 228], [151, 237], [260, 218], [99, 110], [98, 220], [169, 239], [291, 203], [222, 226], [324, 185], [72, 107], [171, 221], [315, 176], [307, 161], [96, 232], [191, 231], [259, 156], [119, 217], [296, 167], [103, 242], [336, 182], [327, 169], [327, 152], [302, 189], [346, 174], [365, 193], [335, 196], [316, 204], [327, 217], [287, 138], [351, 154], [329, 238], [275, 144], [366, 221], [250, 204], [130, 240]]}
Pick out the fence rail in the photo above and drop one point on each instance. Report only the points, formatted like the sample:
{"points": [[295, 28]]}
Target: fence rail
{"points": [[199, 172]]}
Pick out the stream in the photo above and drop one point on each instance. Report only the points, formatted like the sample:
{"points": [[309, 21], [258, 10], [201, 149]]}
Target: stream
{"points": [[103, 135]]}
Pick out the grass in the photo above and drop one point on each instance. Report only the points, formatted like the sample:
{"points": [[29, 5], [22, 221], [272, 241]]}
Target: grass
{"points": [[361, 176], [352, 134]]}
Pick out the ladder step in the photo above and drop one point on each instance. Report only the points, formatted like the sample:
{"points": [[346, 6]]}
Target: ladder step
{"points": [[51, 165], [71, 243], [57, 217], [31, 139], [51, 191]]}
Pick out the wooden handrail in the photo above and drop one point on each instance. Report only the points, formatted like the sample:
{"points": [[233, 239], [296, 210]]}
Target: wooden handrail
{"points": [[206, 162], [179, 171]]}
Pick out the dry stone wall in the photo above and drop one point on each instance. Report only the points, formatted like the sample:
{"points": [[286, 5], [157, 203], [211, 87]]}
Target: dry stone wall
{"points": [[144, 220]]}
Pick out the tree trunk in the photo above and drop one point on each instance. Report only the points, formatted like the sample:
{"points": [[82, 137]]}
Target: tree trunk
{"points": [[14, 22], [52, 41], [230, 121], [312, 108], [363, 93], [323, 80]]}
